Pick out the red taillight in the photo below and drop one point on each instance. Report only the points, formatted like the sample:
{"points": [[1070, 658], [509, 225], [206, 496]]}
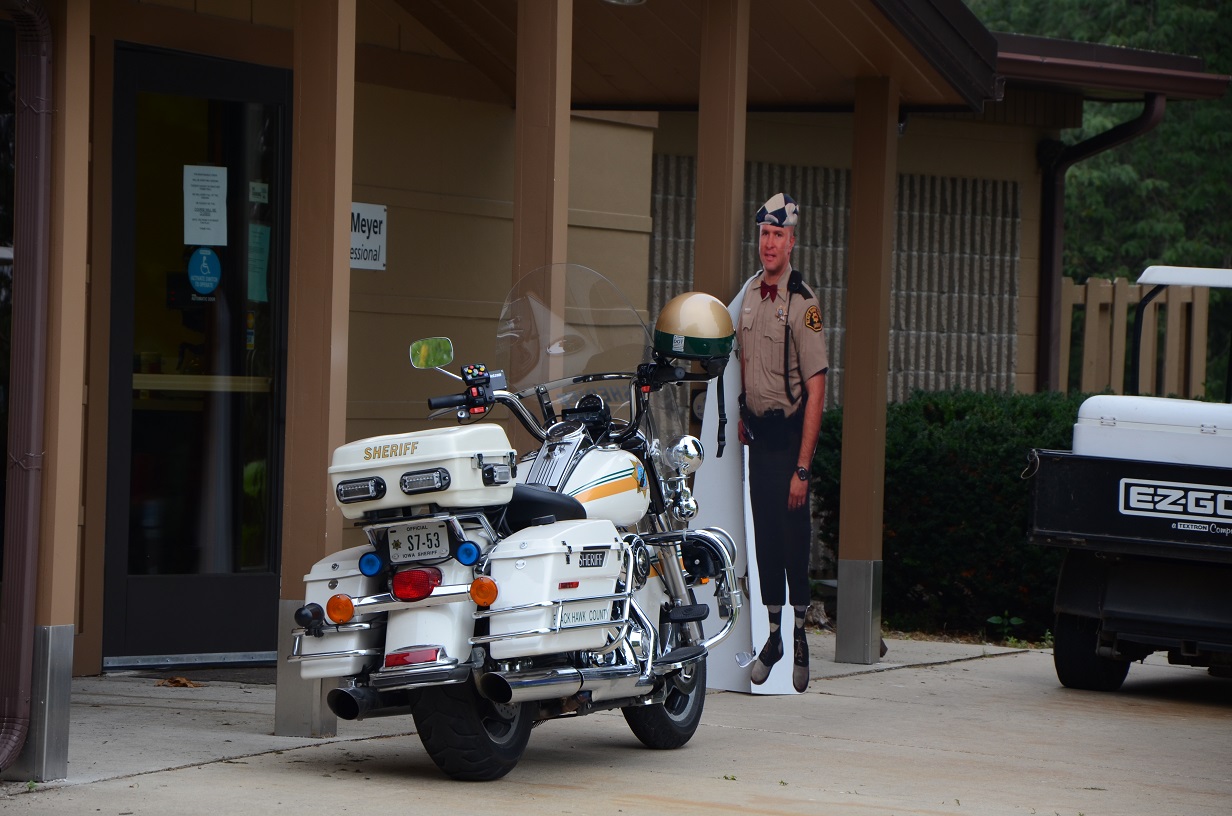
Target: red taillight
{"points": [[411, 657], [415, 584]]}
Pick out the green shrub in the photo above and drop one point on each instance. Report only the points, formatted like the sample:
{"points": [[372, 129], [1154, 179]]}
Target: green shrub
{"points": [[956, 507]]}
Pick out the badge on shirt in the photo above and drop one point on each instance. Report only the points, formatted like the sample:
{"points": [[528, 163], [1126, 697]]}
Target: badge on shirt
{"points": [[812, 318]]}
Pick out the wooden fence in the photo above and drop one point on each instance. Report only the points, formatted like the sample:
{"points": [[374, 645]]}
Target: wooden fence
{"points": [[1178, 317]]}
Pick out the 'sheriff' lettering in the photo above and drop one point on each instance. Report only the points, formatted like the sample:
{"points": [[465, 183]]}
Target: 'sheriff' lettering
{"points": [[390, 451]]}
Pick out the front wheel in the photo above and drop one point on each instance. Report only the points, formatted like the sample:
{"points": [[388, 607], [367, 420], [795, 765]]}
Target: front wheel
{"points": [[671, 724], [468, 736], [1077, 664]]}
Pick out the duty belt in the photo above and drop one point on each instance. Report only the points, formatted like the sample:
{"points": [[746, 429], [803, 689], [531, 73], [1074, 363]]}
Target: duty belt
{"points": [[776, 413]]}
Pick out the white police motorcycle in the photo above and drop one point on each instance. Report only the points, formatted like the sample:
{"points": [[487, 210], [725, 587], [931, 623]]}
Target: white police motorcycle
{"points": [[497, 591]]}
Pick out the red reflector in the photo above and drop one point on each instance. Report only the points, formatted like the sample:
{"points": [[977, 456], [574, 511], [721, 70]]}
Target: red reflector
{"points": [[415, 584], [411, 657], [568, 584]]}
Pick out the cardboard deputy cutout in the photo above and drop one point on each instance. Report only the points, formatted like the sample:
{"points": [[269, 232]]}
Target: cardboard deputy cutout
{"points": [[721, 490]]}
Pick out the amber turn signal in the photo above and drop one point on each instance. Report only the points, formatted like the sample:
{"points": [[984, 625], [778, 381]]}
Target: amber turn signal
{"points": [[483, 591], [340, 608]]}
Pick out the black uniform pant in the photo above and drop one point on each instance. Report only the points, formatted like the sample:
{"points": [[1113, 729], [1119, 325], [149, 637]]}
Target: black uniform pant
{"points": [[783, 536]]}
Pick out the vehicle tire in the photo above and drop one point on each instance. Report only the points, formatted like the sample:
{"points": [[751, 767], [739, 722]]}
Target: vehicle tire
{"points": [[1077, 664], [671, 724], [468, 736]]}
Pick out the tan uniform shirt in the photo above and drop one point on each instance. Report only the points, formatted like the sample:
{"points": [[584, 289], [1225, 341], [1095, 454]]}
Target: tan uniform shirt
{"points": [[761, 335]]}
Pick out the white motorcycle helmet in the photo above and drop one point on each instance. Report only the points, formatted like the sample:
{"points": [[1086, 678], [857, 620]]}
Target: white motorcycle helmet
{"points": [[694, 326]]}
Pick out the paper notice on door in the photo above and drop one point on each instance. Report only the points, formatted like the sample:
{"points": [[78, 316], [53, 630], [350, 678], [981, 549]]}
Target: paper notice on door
{"points": [[205, 205]]}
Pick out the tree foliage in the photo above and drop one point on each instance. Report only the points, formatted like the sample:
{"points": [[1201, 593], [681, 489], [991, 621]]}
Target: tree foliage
{"points": [[1158, 199]]}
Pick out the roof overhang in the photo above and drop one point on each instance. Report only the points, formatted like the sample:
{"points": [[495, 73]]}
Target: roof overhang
{"points": [[801, 55], [1104, 72], [953, 41], [804, 55]]}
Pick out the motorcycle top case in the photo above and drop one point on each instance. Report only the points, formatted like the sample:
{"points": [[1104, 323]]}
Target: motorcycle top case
{"points": [[1155, 429], [467, 466], [573, 565]]}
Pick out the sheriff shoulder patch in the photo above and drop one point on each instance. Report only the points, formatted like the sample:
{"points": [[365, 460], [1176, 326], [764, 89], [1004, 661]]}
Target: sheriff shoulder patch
{"points": [[812, 318]]}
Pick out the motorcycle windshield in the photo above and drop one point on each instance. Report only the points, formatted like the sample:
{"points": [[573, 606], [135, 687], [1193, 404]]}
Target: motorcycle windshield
{"points": [[565, 321]]}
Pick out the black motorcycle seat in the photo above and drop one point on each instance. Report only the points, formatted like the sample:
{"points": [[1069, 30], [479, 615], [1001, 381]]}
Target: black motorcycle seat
{"points": [[533, 502]]}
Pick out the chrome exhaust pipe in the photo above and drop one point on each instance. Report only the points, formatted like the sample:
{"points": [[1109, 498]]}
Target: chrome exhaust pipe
{"points": [[562, 681], [358, 702], [539, 684]]}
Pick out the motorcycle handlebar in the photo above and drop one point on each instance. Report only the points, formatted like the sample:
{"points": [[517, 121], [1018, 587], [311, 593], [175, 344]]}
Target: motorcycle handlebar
{"points": [[451, 401], [513, 400]]}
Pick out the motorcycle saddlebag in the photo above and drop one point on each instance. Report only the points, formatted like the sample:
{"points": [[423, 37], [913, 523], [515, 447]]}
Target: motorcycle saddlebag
{"points": [[573, 565], [345, 651]]}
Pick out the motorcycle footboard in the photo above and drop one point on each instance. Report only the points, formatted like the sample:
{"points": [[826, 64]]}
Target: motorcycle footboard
{"points": [[677, 659]]}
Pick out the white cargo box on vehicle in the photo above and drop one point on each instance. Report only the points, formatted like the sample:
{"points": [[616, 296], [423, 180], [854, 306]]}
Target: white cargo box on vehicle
{"points": [[452, 467], [555, 562], [339, 573], [1154, 429]]}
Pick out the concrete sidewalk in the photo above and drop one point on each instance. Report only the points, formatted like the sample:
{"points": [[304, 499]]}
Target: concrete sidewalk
{"points": [[125, 724], [934, 728]]}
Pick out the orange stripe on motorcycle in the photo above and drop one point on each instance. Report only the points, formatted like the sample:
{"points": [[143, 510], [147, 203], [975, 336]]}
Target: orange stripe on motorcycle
{"points": [[604, 490]]}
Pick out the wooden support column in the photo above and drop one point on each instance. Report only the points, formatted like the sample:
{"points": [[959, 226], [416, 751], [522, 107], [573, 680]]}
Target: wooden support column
{"points": [[874, 173], [66, 331], [541, 142], [319, 306], [722, 107]]}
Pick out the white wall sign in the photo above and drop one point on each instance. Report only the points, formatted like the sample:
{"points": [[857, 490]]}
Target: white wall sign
{"points": [[205, 205], [367, 236]]}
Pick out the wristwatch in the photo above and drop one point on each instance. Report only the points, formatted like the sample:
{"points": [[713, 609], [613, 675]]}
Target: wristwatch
{"points": [[802, 474]]}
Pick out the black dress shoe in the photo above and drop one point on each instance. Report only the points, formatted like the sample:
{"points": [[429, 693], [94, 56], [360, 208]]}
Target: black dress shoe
{"points": [[800, 672], [770, 654]]}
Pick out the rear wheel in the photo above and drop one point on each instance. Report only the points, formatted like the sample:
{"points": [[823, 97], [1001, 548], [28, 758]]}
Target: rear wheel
{"points": [[671, 724], [1077, 664], [468, 736]]}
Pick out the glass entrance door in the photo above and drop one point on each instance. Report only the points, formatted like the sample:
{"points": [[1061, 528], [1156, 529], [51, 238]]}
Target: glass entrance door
{"points": [[199, 277]]}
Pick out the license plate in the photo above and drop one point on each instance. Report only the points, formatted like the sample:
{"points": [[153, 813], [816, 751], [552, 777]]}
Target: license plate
{"points": [[572, 616], [418, 542]]}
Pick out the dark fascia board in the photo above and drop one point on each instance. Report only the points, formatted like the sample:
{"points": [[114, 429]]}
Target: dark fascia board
{"points": [[1098, 70], [954, 42]]}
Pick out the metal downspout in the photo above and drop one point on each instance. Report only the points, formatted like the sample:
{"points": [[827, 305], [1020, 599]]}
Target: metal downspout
{"points": [[31, 263], [1055, 159]]}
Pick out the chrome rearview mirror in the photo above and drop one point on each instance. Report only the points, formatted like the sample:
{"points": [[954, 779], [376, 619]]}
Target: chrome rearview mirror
{"points": [[432, 352]]}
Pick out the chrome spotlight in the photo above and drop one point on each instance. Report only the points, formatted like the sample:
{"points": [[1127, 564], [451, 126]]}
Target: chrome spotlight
{"points": [[684, 454], [684, 506]]}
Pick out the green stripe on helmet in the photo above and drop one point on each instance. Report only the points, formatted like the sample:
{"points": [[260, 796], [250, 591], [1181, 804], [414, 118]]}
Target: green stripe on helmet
{"points": [[679, 345]]}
